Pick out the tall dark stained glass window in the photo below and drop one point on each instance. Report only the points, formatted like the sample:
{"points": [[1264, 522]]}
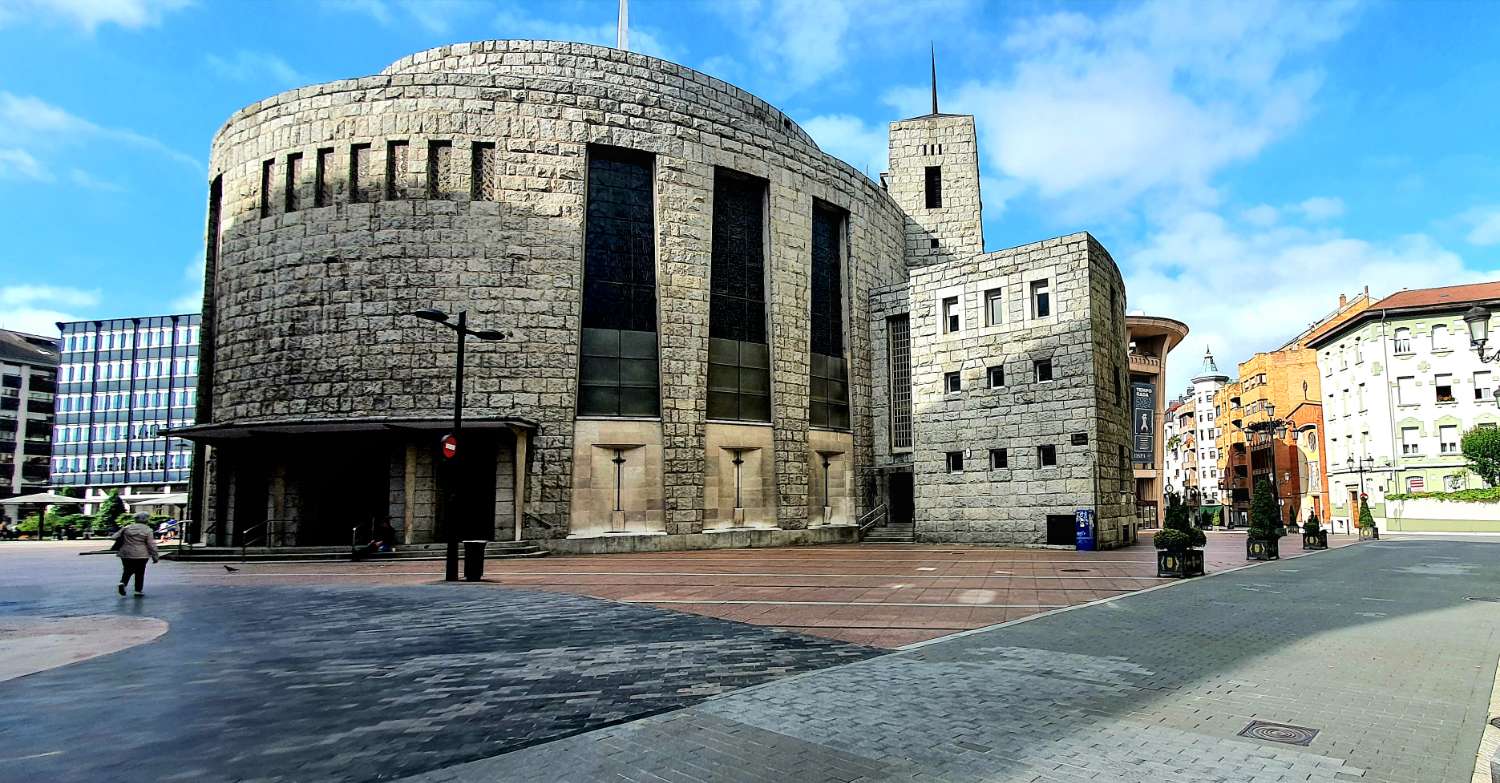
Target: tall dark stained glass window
{"points": [[739, 386], [829, 374], [618, 374]]}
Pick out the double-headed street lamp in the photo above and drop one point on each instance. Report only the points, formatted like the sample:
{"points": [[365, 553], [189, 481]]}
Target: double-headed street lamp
{"points": [[1276, 429], [452, 442]]}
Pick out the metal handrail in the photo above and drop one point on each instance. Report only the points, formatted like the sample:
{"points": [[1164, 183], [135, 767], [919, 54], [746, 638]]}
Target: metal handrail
{"points": [[871, 517]]}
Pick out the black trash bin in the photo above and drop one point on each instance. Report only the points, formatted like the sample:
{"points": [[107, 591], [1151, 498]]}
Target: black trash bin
{"points": [[474, 560]]}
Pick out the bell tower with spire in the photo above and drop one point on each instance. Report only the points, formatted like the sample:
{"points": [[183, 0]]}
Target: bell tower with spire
{"points": [[934, 177]]}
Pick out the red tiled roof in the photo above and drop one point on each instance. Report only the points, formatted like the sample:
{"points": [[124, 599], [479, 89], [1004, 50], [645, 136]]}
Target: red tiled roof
{"points": [[1447, 295]]}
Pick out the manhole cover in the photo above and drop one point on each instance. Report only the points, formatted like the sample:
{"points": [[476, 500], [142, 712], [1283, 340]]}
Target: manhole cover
{"points": [[1074, 570], [1279, 732], [1489, 598]]}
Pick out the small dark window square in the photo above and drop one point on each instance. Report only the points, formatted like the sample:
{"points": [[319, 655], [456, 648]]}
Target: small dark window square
{"points": [[934, 181], [1080, 439], [951, 383], [996, 376], [1042, 369], [933, 243], [955, 461], [999, 459], [1046, 455]]}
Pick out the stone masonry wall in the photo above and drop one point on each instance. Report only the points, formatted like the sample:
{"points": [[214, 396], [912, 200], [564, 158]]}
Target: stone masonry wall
{"points": [[1010, 505], [311, 293], [949, 141]]}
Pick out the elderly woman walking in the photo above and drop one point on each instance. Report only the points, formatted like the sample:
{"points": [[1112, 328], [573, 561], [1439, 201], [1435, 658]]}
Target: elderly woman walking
{"points": [[135, 543]]}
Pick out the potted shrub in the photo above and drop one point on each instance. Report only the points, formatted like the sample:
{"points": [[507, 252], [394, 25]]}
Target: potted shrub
{"points": [[1177, 543], [1367, 527], [1263, 539], [1313, 535]]}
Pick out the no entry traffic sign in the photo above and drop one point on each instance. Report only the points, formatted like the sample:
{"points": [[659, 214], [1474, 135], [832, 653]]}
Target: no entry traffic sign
{"points": [[450, 447]]}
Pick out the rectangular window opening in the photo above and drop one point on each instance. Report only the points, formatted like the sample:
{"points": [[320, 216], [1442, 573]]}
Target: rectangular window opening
{"points": [[1042, 370], [1041, 299], [952, 318], [934, 187], [267, 181], [1046, 455], [293, 175], [322, 188], [359, 172], [951, 383], [396, 168], [996, 376], [994, 307], [899, 331], [955, 461], [739, 358], [482, 185], [999, 459]]}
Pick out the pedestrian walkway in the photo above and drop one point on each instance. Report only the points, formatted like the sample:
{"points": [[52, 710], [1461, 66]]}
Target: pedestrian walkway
{"points": [[1373, 655], [882, 596]]}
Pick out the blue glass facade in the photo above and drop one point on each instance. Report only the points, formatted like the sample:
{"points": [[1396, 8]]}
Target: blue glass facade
{"points": [[120, 384]]}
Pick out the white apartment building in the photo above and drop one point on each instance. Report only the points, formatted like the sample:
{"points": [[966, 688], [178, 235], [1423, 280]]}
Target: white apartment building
{"points": [[1206, 383], [1401, 385]]}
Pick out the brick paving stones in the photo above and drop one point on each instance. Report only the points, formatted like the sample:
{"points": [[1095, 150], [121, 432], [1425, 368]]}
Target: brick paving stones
{"points": [[1374, 646], [353, 683]]}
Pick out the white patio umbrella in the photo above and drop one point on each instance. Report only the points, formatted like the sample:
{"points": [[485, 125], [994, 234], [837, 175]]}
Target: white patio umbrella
{"points": [[46, 498]]}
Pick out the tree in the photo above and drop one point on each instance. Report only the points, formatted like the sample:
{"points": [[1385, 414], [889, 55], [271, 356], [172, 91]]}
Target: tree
{"points": [[1366, 519], [1265, 518], [1481, 446], [109, 512]]}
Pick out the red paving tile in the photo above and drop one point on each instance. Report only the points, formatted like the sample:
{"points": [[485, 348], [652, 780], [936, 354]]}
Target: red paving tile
{"points": [[881, 595]]}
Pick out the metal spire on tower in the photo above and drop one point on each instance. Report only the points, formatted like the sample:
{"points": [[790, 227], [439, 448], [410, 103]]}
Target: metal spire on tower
{"points": [[622, 26], [934, 74]]}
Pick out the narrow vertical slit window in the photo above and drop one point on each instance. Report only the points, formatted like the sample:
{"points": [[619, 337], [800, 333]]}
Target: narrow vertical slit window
{"points": [[267, 182], [482, 172], [934, 187], [618, 370], [359, 172], [898, 329], [439, 169], [828, 376], [396, 169], [322, 188], [739, 384], [293, 176]]}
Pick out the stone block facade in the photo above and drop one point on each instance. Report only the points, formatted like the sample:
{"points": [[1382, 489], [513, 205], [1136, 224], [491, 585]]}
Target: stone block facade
{"points": [[459, 179]]}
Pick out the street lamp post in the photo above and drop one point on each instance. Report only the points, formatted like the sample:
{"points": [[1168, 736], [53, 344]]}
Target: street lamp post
{"points": [[1274, 428], [1362, 464], [462, 330]]}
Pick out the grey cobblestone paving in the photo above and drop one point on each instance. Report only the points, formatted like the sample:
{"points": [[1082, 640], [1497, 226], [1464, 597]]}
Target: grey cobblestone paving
{"points": [[347, 683], [1374, 646]]}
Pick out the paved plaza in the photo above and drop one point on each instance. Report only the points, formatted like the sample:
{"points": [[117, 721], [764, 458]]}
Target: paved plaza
{"points": [[341, 672]]}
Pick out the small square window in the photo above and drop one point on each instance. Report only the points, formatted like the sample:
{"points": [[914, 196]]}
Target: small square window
{"points": [[1046, 455], [994, 307], [1042, 370], [933, 243], [999, 459], [955, 462], [951, 383], [996, 376]]}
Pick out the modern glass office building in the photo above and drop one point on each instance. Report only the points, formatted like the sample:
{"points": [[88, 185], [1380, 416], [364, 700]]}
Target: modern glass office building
{"points": [[120, 384]]}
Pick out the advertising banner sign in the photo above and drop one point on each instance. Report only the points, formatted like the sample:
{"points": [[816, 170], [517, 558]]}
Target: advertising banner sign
{"points": [[1143, 423]]}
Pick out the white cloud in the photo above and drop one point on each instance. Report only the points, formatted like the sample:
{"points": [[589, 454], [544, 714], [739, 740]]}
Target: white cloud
{"points": [[798, 43], [191, 301], [38, 132], [1321, 208], [512, 23], [38, 308], [19, 164], [1149, 101], [1484, 225], [251, 66], [1243, 288], [90, 14], [845, 136], [1262, 215]]}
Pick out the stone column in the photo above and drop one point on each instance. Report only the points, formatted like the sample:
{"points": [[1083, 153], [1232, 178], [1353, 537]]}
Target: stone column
{"points": [[791, 253]]}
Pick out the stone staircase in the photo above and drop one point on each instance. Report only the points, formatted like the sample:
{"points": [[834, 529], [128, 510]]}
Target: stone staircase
{"points": [[496, 550], [892, 533]]}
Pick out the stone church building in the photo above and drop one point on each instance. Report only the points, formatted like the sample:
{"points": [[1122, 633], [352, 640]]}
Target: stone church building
{"points": [[715, 334]]}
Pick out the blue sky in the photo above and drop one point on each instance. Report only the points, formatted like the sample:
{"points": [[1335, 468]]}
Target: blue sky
{"points": [[1245, 163]]}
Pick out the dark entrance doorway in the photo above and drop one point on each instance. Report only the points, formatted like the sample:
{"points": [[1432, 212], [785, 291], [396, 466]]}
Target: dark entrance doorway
{"points": [[902, 498], [250, 497], [341, 498], [468, 488], [1061, 530]]}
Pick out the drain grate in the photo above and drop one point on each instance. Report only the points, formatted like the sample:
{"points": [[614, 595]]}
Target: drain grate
{"points": [[1074, 570], [1488, 598], [1279, 732]]}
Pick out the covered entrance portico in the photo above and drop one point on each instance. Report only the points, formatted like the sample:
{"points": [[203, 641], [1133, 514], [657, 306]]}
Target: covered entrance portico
{"points": [[334, 483]]}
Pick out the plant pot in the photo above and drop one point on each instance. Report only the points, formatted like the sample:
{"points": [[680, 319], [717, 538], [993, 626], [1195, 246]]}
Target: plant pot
{"points": [[1368, 533], [1256, 549], [1188, 562], [1318, 540]]}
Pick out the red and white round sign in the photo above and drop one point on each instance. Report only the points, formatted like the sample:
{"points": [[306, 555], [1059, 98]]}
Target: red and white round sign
{"points": [[450, 447]]}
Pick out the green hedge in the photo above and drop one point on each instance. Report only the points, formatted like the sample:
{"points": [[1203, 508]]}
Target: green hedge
{"points": [[1490, 495]]}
